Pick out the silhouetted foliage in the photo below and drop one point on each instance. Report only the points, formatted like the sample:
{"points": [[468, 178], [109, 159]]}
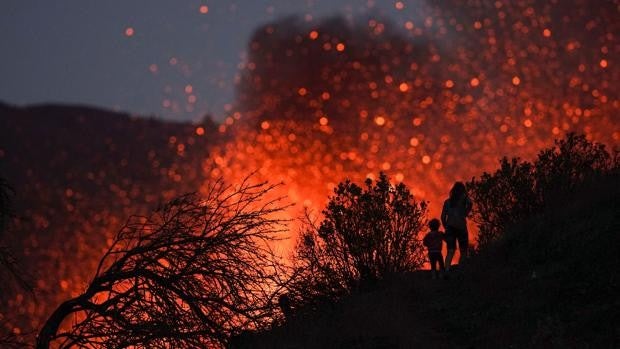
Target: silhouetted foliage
{"points": [[11, 272], [7, 261], [573, 160], [5, 204], [366, 234], [519, 189], [197, 271]]}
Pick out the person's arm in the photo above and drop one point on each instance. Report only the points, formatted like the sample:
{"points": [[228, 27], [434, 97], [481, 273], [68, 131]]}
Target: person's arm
{"points": [[444, 215], [468, 206]]}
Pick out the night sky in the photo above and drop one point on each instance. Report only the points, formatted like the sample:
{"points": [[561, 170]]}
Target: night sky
{"points": [[145, 57]]}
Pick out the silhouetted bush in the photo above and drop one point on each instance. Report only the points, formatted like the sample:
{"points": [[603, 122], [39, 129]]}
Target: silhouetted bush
{"points": [[366, 234], [8, 339], [12, 275], [5, 204], [560, 169], [502, 198], [193, 274], [519, 189]]}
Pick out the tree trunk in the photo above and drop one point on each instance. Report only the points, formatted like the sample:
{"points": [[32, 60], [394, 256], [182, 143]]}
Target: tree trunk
{"points": [[50, 328]]}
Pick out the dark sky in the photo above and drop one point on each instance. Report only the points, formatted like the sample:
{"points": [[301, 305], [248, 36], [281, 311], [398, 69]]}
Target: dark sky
{"points": [[178, 62]]}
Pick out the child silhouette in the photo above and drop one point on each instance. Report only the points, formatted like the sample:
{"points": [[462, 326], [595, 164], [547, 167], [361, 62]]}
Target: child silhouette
{"points": [[434, 242]]}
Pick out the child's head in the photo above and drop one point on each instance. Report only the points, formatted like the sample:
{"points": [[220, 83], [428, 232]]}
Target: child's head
{"points": [[434, 224]]}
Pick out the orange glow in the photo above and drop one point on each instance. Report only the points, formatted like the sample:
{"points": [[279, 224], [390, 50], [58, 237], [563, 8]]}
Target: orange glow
{"points": [[504, 85], [340, 47], [204, 9], [399, 5]]}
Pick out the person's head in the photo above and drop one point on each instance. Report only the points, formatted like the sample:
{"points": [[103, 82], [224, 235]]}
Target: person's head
{"points": [[434, 224], [457, 191]]}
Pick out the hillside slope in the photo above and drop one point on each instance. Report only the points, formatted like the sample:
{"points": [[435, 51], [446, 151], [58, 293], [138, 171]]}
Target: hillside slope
{"points": [[552, 281], [549, 282]]}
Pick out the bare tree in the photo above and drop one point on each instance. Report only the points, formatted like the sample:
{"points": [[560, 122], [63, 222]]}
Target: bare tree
{"points": [[196, 272]]}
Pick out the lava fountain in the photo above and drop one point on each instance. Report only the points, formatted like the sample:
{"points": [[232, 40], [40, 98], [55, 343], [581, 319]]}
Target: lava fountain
{"points": [[439, 99]]}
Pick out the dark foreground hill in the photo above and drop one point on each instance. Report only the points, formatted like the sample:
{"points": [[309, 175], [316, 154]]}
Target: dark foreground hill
{"points": [[551, 281], [66, 163]]}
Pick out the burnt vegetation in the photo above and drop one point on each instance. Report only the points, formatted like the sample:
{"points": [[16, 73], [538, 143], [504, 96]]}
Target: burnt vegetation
{"points": [[197, 271]]}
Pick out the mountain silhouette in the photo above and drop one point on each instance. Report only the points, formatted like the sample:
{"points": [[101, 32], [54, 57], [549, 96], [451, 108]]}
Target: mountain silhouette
{"points": [[78, 173]]}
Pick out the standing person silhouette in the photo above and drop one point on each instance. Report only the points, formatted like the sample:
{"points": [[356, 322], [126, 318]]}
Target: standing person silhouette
{"points": [[454, 219]]}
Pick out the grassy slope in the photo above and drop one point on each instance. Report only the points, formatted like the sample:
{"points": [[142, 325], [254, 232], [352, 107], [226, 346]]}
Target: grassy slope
{"points": [[550, 282]]}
